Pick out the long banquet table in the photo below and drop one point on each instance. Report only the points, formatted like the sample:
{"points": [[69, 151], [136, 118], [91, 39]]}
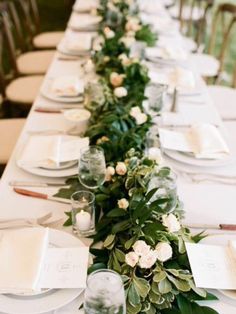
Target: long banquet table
{"points": [[205, 202]]}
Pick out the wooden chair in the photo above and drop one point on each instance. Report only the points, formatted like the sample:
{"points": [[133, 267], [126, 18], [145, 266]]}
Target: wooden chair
{"points": [[17, 90], [45, 40], [29, 63]]}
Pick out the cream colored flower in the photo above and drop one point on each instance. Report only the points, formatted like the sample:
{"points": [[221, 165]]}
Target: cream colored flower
{"points": [[124, 59], [164, 251], [148, 260], [110, 171], [133, 24], [106, 59], [141, 118], [109, 33], [116, 79], [123, 203], [102, 139], [127, 41], [154, 153], [141, 248], [134, 111], [121, 168], [171, 223], [120, 92], [131, 259]]}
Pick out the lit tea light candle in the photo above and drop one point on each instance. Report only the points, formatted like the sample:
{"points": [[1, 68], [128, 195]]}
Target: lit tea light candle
{"points": [[83, 220]]}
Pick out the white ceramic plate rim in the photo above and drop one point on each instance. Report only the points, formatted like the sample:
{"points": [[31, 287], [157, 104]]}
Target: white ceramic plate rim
{"points": [[45, 91], [187, 159], [62, 49], [44, 172], [58, 298]]}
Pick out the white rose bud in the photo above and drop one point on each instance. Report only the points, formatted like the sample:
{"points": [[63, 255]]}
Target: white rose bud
{"points": [[121, 168], [131, 259], [141, 248], [148, 260], [116, 79], [120, 92], [127, 41], [141, 118], [164, 251], [123, 203], [154, 153], [133, 24], [109, 33], [171, 223], [110, 171], [134, 111], [124, 59]]}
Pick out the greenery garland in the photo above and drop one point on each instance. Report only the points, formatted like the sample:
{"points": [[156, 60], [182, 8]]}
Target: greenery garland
{"points": [[142, 237]]}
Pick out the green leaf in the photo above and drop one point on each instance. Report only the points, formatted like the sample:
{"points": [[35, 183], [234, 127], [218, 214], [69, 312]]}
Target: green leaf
{"points": [[164, 286], [159, 276], [109, 241], [198, 291], [130, 242], [184, 304], [180, 284], [101, 197], [95, 267], [121, 226], [133, 295], [142, 286], [119, 255], [208, 310], [117, 212], [130, 309]]}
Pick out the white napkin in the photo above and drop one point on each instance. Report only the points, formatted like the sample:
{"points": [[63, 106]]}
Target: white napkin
{"points": [[83, 21], [190, 114], [203, 140], [22, 254], [74, 41], [167, 52], [44, 151], [85, 6], [67, 86]]}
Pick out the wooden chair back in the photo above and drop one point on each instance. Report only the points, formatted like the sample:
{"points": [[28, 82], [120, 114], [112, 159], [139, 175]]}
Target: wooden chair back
{"points": [[227, 27]]}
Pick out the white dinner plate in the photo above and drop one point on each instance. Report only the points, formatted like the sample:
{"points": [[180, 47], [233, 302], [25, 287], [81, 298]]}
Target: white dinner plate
{"points": [[53, 299], [62, 48], [47, 93], [191, 160], [222, 239]]}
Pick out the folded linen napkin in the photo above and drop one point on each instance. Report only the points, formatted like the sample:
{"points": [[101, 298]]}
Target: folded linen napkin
{"points": [[203, 140], [85, 6], [76, 42], [50, 151], [83, 21], [67, 86], [167, 52], [22, 254]]}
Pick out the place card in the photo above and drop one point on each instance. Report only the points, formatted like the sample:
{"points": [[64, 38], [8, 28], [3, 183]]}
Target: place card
{"points": [[64, 268], [213, 266]]}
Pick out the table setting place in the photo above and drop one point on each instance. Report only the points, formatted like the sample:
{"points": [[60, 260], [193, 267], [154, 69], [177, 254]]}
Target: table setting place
{"points": [[110, 137]]}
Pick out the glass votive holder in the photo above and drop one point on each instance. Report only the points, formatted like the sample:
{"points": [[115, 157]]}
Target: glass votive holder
{"points": [[156, 96], [83, 213]]}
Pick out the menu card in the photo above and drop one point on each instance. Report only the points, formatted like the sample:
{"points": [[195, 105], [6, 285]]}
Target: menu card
{"points": [[213, 266]]}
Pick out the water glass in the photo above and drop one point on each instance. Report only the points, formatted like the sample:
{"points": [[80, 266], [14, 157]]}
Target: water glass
{"points": [[156, 94], [83, 213], [92, 167], [104, 293], [165, 181]]}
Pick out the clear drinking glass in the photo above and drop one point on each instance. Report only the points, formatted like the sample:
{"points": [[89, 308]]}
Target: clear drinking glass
{"points": [[104, 293], [165, 181], [92, 167], [83, 213], [156, 95]]}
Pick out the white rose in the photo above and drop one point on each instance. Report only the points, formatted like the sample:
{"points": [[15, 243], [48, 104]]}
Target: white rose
{"points": [[141, 118], [148, 260], [134, 111], [133, 24], [164, 251], [106, 59], [141, 248], [121, 168], [123, 203], [124, 59], [109, 33], [110, 171], [116, 79], [120, 92], [154, 153], [127, 41], [131, 259], [171, 223]]}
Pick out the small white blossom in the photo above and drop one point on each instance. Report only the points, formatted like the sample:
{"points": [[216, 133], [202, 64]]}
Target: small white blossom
{"points": [[116, 79], [141, 118], [154, 153], [141, 248], [133, 24], [164, 251], [171, 223], [109, 33], [123, 203], [131, 259], [110, 171], [124, 59], [134, 111], [120, 92], [121, 168], [148, 260], [127, 41]]}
